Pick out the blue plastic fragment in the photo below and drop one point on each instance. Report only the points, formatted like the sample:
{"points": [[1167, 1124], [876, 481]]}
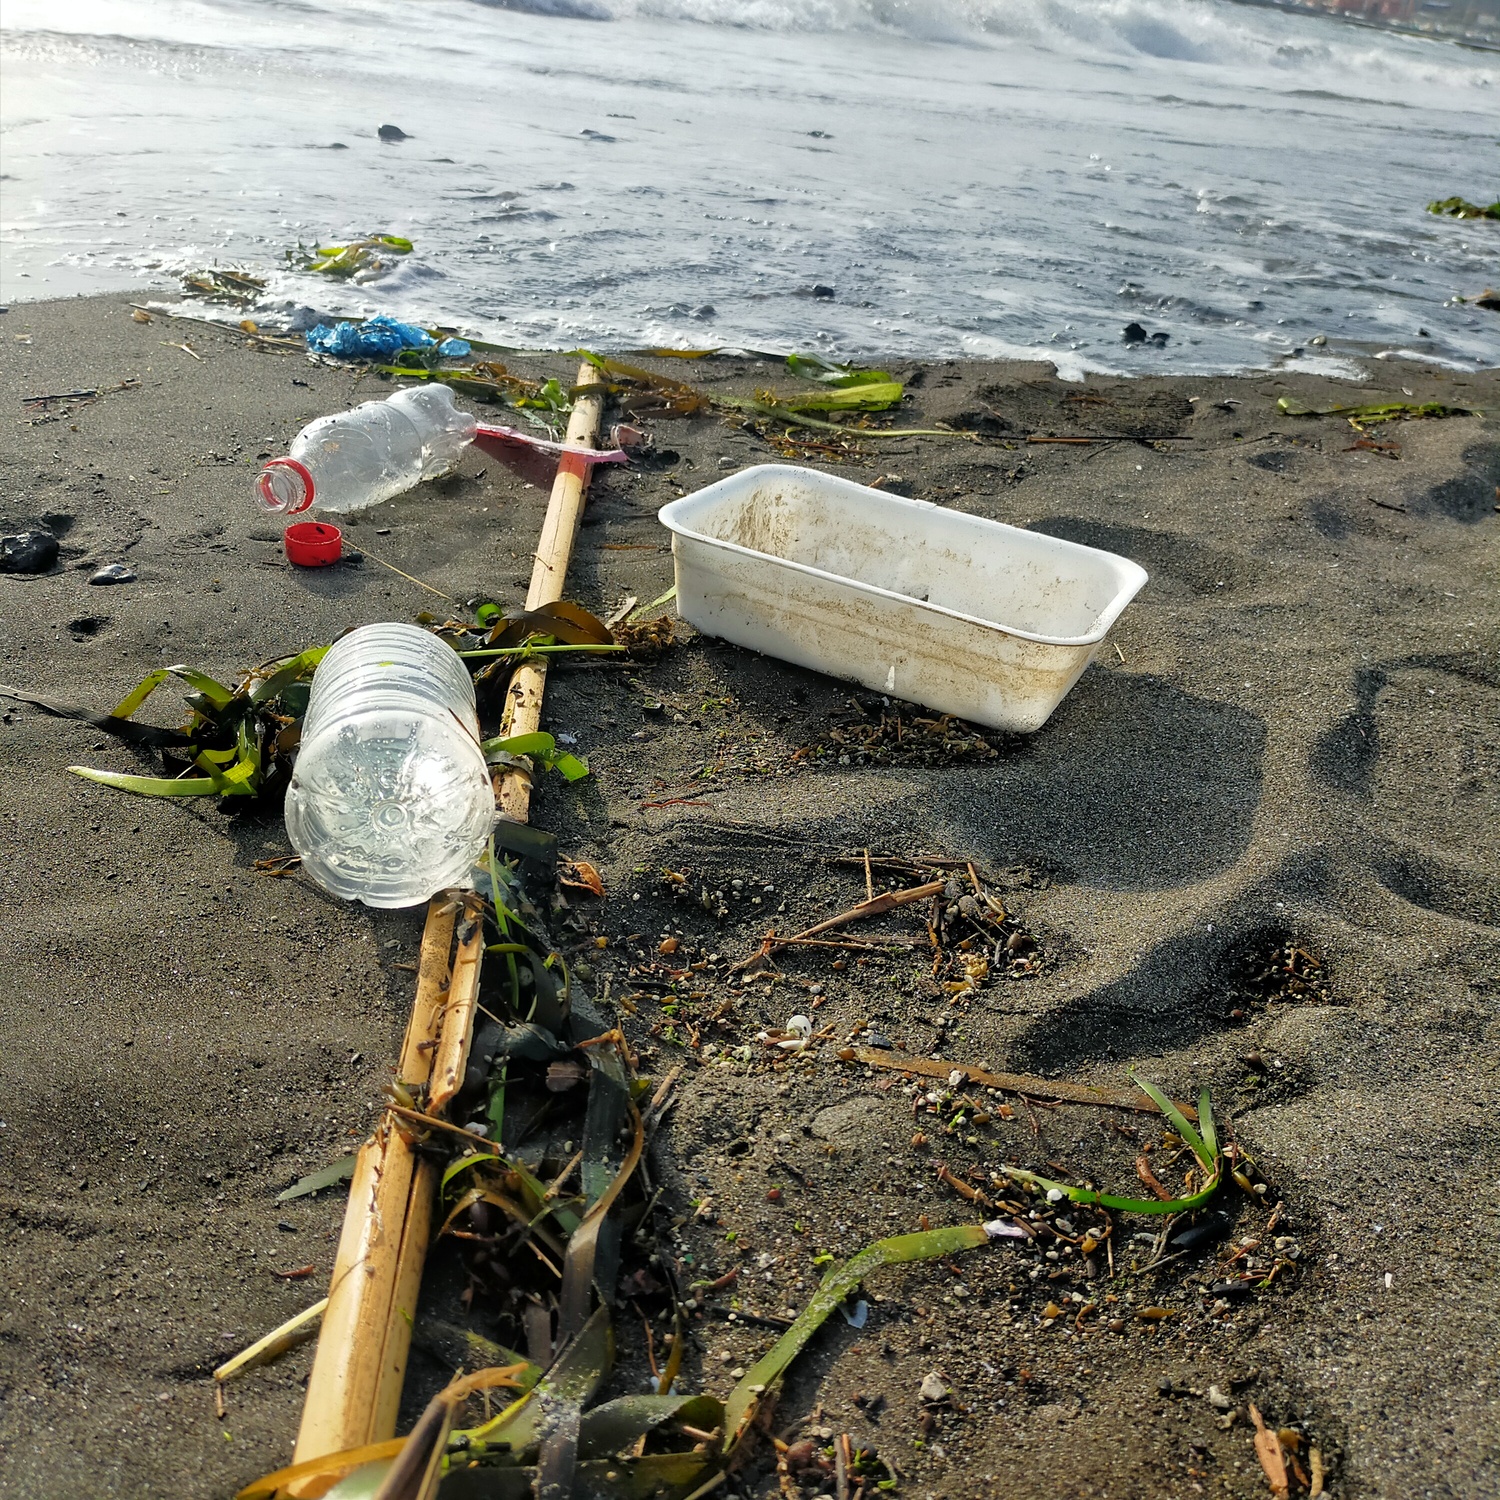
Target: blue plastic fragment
{"points": [[378, 338], [859, 1317]]}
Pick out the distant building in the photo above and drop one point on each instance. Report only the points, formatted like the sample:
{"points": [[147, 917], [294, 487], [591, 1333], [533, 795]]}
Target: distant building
{"points": [[1474, 21]]}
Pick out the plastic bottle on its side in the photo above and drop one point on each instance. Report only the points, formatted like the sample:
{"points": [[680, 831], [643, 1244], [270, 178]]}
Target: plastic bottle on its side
{"points": [[390, 798], [357, 458]]}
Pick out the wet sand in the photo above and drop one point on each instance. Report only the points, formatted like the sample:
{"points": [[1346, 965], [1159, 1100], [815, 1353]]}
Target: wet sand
{"points": [[1297, 744]]}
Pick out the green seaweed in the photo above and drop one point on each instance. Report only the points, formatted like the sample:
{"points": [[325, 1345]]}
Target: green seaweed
{"points": [[863, 396], [341, 1171], [539, 747], [1202, 1141], [234, 736], [1377, 411], [825, 372], [740, 1408], [345, 261], [1461, 208]]}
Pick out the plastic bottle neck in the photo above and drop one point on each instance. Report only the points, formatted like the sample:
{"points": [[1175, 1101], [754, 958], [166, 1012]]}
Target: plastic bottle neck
{"points": [[285, 486]]}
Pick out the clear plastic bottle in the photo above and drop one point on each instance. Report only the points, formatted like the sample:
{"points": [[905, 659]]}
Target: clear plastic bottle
{"points": [[357, 458], [390, 799]]}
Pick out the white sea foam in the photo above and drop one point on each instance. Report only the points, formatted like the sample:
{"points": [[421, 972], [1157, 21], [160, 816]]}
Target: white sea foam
{"points": [[1205, 32], [1018, 176]]}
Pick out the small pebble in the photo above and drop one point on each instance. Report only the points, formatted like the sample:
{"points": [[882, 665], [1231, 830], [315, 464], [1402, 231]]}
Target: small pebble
{"points": [[932, 1388], [1231, 1289], [112, 573], [800, 1455]]}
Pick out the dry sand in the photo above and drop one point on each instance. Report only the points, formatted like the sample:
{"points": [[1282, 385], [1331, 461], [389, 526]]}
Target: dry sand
{"points": [[1297, 741]]}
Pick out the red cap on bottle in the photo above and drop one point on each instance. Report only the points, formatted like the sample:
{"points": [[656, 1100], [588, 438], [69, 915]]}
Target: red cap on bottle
{"points": [[313, 544], [285, 485]]}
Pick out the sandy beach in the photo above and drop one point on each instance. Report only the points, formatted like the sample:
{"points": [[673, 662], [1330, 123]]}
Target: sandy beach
{"points": [[1294, 749]]}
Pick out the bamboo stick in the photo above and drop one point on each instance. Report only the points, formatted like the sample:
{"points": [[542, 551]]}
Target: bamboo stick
{"points": [[523, 700], [350, 1373], [456, 1024], [354, 1391]]}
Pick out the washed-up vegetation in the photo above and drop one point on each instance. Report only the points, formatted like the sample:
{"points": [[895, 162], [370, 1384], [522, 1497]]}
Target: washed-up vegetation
{"points": [[546, 1197], [239, 740], [367, 256], [223, 284], [1373, 412], [782, 416], [235, 741], [1202, 1141], [1461, 208]]}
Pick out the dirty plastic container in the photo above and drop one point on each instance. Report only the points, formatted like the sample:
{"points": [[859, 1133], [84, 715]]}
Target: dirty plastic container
{"points": [[964, 615], [390, 798], [379, 449]]}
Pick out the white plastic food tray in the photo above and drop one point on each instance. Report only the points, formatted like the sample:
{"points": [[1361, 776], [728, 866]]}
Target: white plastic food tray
{"points": [[963, 615]]}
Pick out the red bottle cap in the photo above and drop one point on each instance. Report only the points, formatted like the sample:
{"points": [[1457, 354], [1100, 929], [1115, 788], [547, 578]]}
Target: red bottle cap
{"points": [[313, 544]]}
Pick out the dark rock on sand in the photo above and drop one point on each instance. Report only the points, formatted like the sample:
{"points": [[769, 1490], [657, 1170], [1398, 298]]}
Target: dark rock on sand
{"points": [[27, 552], [393, 133]]}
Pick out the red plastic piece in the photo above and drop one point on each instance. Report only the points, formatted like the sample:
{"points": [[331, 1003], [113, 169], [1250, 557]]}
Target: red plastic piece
{"points": [[313, 544]]}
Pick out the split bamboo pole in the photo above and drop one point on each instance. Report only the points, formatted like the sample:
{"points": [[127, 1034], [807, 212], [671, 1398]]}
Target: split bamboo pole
{"points": [[354, 1391], [351, 1365]]}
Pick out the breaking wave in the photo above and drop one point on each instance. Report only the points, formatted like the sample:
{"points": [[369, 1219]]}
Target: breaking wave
{"points": [[1208, 32]]}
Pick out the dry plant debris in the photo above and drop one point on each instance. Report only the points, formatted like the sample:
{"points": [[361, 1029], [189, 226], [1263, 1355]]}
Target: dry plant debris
{"points": [[902, 735]]}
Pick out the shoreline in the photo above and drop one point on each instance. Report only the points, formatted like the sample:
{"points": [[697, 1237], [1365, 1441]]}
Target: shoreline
{"points": [[1335, 358], [1293, 746]]}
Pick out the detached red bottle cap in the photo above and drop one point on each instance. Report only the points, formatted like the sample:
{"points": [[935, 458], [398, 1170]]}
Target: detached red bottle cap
{"points": [[313, 544]]}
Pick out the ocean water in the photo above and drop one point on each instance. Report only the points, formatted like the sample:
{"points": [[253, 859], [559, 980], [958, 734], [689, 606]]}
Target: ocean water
{"points": [[968, 177]]}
